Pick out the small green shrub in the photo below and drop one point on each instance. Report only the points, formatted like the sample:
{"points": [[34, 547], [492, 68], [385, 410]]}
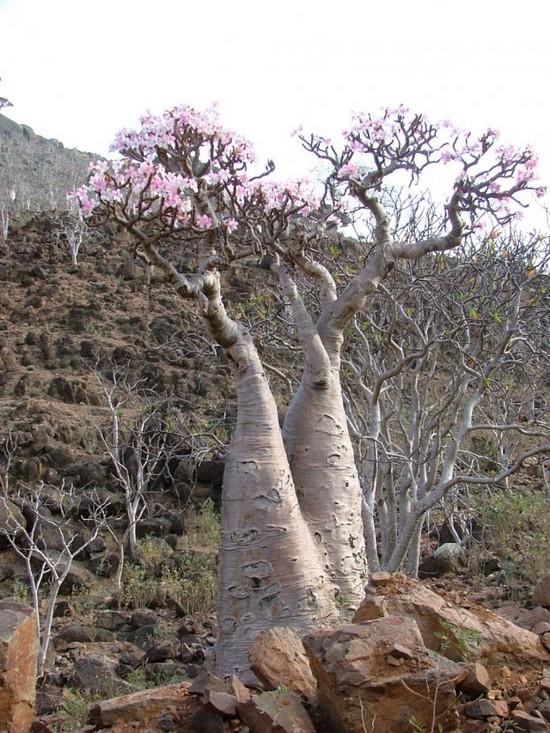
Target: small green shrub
{"points": [[516, 527], [189, 578], [21, 591], [203, 526], [151, 552], [139, 589], [195, 596], [71, 713]]}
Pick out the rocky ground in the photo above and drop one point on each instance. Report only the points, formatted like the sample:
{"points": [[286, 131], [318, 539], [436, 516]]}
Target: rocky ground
{"points": [[65, 332]]}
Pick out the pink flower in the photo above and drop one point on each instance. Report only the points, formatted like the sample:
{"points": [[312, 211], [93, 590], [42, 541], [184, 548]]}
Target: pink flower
{"points": [[203, 222], [349, 169]]}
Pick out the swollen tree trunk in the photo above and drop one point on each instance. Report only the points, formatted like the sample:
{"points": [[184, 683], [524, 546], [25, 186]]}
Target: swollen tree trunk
{"points": [[322, 461], [320, 451], [269, 570]]}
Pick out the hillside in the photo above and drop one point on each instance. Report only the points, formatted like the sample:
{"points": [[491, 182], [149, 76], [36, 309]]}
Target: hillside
{"points": [[36, 173]]}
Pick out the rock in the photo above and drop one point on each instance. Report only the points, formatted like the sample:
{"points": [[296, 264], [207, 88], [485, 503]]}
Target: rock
{"points": [[448, 558], [6, 571], [358, 689], [277, 657], [477, 682], [542, 627], [129, 270], [381, 578], [143, 617], [82, 634], [454, 630], [275, 712], [529, 618], [544, 710], [96, 673], [373, 606], [142, 637], [529, 723], [18, 657], [153, 527], [111, 620], [541, 596], [77, 576], [144, 708], [486, 708], [160, 651]]}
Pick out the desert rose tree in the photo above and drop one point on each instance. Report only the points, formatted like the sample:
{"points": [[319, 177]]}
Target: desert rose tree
{"points": [[292, 545]]}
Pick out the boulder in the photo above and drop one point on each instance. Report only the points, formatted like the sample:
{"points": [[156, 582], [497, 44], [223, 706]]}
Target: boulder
{"points": [[541, 596], [18, 656], [276, 711], [278, 658], [454, 628], [97, 674], [144, 709], [448, 558], [379, 676]]}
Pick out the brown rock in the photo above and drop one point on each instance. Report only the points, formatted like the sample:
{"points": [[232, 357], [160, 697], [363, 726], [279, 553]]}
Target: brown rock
{"points": [[458, 632], [18, 655], [477, 682], [142, 708], [542, 627], [358, 689], [541, 596], [398, 651], [275, 712], [380, 579], [277, 657], [544, 710], [529, 723], [486, 708], [373, 606], [529, 618]]}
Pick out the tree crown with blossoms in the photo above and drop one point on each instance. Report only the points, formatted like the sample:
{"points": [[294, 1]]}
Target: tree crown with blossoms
{"points": [[489, 178], [184, 172]]}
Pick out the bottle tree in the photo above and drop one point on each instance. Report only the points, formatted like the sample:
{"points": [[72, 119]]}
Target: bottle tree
{"points": [[292, 549]]}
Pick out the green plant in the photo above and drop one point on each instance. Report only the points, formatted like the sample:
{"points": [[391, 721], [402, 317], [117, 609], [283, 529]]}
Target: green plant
{"points": [[192, 582], [151, 552], [21, 591], [89, 440], [516, 526], [140, 678], [457, 638], [138, 588], [137, 678], [72, 711], [188, 578], [203, 526]]}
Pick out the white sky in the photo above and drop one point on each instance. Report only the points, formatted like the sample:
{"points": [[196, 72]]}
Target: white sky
{"points": [[78, 70]]}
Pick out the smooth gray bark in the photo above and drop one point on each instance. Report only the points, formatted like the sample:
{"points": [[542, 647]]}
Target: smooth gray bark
{"points": [[269, 569]]}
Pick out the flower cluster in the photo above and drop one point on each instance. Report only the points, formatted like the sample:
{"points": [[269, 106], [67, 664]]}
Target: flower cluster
{"points": [[184, 170], [489, 177], [288, 197]]}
